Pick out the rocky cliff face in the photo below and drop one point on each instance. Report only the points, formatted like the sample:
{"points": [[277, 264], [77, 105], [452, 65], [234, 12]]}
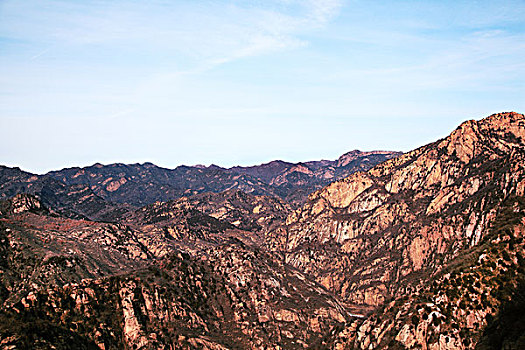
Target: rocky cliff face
{"points": [[473, 302], [380, 234]]}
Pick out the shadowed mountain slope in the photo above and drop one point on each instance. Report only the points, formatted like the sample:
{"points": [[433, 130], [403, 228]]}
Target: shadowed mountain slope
{"points": [[142, 184], [106, 192], [75, 201]]}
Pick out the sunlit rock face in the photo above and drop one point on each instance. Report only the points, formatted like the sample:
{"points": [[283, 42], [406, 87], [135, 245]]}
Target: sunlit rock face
{"points": [[375, 236]]}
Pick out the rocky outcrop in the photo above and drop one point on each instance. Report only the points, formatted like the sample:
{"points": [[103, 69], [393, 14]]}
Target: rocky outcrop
{"points": [[22, 203], [364, 235], [475, 302], [374, 236]]}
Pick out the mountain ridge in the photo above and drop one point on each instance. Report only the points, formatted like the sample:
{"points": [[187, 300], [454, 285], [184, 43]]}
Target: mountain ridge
{"points": [[376, 235], [115, 188]]}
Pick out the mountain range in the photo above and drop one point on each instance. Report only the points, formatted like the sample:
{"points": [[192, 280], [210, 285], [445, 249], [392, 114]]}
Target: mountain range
{"points": [[104, 192], [421, 250]]}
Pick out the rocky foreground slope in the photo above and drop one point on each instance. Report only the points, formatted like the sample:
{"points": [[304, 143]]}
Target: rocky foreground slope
{"points": [[177, 279]]}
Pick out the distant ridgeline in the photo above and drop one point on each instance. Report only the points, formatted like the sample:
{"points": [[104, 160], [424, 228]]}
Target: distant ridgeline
{"points": [[103, 192]]}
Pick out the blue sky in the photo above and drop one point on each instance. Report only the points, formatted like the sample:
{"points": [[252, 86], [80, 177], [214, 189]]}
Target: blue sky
{"points": [[245, 82]]}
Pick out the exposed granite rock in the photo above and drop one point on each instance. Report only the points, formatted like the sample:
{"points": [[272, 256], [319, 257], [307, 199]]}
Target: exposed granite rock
{"points": [[463, 305], [135, 286], [364, 236], [393, 231], [22, 203]]}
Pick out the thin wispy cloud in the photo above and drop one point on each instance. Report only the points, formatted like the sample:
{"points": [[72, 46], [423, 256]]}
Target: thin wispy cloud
{"points": [[43, 52], [212, 32]]}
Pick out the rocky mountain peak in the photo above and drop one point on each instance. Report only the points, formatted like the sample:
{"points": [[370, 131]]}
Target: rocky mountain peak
{"points": [[497, 133], [365, 235], [351, 156], [348, 157]]}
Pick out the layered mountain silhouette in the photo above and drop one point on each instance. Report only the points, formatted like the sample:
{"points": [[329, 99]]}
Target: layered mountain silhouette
{"points": [[422, 250], [104, 192]]}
